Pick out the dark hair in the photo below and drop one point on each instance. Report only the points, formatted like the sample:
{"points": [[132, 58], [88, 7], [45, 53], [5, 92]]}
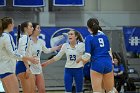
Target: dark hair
{"points": [[18, 33], [1, 28], [93, 24], [34, 25], [79, 37], [20, 29], [6, 21], [119, 62]]}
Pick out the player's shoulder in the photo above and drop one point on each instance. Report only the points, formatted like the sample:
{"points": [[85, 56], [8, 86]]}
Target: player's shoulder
{"points": [[5, 34], [100, 32], [81, 43], [65, 44], [41, 40], [89, 37], [23, 37]]}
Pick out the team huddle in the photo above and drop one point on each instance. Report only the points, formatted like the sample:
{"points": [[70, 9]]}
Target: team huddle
{"points": [[21, 61]]}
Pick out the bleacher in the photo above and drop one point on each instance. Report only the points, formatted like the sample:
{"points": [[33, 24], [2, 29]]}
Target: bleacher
{"points": [[132, 72]]}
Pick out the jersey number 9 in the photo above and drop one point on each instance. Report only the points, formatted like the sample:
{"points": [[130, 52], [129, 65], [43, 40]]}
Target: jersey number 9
{"points": [[101, 41]]}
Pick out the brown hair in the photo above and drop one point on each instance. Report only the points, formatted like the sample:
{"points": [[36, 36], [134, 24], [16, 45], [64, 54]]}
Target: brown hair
{"points": [[34, 26], [93, 24], [79, 37], [1, 29], [20, 29], [6, 21]]}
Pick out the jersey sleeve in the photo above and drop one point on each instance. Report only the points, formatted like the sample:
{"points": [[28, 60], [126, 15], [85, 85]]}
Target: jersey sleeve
{"points": [[44, 48], [60, 53], [10, 47], [82, 48], [87, 54]]}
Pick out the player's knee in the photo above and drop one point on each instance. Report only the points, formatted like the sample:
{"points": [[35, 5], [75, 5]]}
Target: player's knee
{"points": [[113, 90]]}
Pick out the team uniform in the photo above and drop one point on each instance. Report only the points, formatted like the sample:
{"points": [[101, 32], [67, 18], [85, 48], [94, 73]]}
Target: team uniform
{"points": [[23, 49], [72, 69], [97, 46], [8, 55], [36, 50]]}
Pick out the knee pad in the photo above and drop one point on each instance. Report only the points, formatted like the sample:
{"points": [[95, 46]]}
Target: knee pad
{"points": [[113, 90]]}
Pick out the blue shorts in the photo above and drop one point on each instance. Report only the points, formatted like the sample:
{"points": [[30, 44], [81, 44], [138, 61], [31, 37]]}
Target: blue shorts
{"points": [[102, 65], [20, 67], [5, 75]]}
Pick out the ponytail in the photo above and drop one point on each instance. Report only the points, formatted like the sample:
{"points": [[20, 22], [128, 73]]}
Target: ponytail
{"points": [[79, 37], [18, 33], [94, 29], [1, 30]]}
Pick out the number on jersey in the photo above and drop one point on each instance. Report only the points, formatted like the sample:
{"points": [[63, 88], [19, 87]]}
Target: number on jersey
{"points": [[38, 51], [101, 41], [72, 57]]}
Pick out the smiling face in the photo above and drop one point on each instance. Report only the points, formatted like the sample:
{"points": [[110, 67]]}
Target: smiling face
{"points": [[72, 37]]}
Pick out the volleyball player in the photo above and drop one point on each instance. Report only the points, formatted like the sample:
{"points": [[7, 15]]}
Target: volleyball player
{"points": [[38, 46], [23, 69], [97, 49], [73, 70], [8, 56]]}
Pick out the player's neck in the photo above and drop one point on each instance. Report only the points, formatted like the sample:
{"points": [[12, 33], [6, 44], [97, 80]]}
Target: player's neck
{"points": [[72, 44], [34, 38], [6, 30]]}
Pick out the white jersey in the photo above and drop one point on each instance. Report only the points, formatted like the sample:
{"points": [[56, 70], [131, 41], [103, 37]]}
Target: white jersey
{"points": [[72, 54], [36, 50], [23, 45], [8, 54]]}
